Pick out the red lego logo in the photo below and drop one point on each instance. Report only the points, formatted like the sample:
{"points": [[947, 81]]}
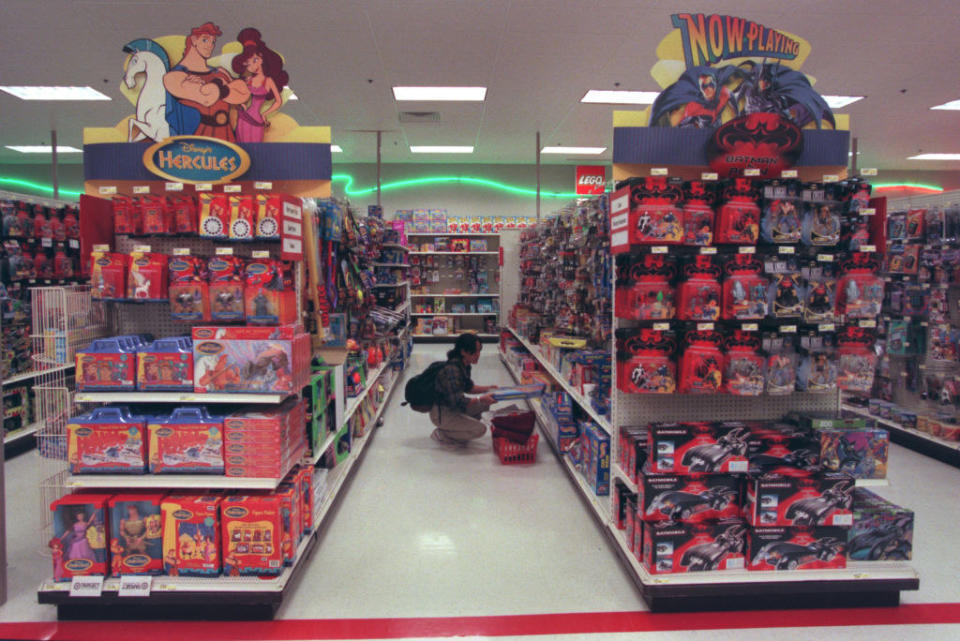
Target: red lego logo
{"points": [[591, 180]]}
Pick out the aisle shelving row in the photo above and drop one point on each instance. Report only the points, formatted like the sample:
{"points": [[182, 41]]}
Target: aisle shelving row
{"points": [[898, 428], [454, 314], [469, 253], [24, 376], [13, 436], [478, 295]]}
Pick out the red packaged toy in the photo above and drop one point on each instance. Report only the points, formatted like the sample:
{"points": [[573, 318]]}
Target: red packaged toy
{"points": [[796, 548], [699, 294], [799, 499], [655, 215], [701, 363], [265, 443], [71, 224], [241, 217], [41, 222], [184, 213], [860, 290], [268, 216], [156, 215], [148, 277], [268, 296], [226, 275], [688, 499], [251, 359], [743, 364], [693, 547], [738, 221], [744, 289], [856, 359], [304, 476], [126, 216], [689, 448], [79, 543], [647, 294], [189, 293], [108, 440], [136, 534], [108, 274], [290, 517], [252, 528], [189, 441], [191, 535], [214, 215], [646, 365], [62, 264], [698, 215]]}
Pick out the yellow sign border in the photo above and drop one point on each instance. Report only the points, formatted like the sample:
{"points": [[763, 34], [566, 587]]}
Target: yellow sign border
{"points": [[240, 151]]}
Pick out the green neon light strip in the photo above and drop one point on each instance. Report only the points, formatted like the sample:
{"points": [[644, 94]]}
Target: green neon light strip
{"points": [[935, 188], [437, 180], [41, 187]]}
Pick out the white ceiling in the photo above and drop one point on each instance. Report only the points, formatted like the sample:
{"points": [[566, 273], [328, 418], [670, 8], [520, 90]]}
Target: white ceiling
{"points": [[537, 57]]}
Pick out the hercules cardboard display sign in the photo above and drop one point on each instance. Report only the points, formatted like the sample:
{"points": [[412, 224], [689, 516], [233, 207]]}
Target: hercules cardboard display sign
{"points": [[196, 159]]}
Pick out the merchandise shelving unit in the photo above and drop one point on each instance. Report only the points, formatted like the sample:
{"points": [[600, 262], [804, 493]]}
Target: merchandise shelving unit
{"points": [[932, 446], [447, 284]]}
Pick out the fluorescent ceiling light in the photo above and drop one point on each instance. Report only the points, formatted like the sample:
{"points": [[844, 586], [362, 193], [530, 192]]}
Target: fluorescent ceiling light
{"points": [[935, 157], [839, 102], [574, 151], [603, 96], [55, 93], [336, 149], [953, 105], [441, 149], [292, 95], [44, 149], [430, 94]]}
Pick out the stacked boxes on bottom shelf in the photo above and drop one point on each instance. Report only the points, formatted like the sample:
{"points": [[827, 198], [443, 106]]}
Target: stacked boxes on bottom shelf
{"points": [[881, 530]]}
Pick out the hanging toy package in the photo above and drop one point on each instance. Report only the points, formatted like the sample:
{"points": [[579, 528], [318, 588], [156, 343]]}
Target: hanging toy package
{"points": [[857, 360], [818, 371], [226, 274], [781, 370], [701, 363], [698, 217], [781, 212], [819, 299], [699, 294], [189, 293], [744, 288], [655, 215], [858, 214], [738, 221], [743, 365], [646, 363], [647, 292], [821, 215], [860, 290]]}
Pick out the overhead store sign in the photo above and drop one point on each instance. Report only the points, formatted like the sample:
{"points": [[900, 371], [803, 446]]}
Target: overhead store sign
{"points": [[591, 180], [196, 159]]}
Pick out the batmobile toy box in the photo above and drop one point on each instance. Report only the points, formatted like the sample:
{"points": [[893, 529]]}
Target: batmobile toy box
{"points": [[796, 548], [801, 498], [693, 547], [780, 445], [688, 448], [688, 499], [881, 530]]}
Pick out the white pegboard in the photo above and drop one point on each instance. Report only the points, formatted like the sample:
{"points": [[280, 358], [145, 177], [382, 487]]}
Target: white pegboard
{"points": [[943, 199], [641, 409]]}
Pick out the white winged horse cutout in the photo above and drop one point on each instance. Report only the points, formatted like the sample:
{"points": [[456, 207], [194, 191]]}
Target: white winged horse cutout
{"points": [[151, 119]]}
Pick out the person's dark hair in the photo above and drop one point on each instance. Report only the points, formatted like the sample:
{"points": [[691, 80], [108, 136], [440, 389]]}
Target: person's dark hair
{"points": [[465, 343]]}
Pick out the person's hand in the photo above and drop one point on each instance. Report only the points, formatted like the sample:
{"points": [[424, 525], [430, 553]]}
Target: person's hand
{"points": [[486, 399]]}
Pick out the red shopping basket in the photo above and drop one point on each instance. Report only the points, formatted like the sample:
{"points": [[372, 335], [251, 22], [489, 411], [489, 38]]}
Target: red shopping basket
{"points": [[511, 453], [516, 427]]}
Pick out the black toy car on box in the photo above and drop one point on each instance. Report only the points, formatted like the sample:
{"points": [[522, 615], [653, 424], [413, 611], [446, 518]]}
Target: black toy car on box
{"points": [[696, 497], [690, 448], [796, 548], [796, 497], [881, 530], [693, 547]]}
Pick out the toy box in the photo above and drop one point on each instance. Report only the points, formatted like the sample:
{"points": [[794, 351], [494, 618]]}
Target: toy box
{"points": [[881, 530], [189, 291], [189, 441], [79, 543], [700, 293], [265, 442], [738, 219], [621, 494], [743, 365], [799, 499], [191, 535], [166, 364], [108, 364], [693, 547], [250, 359], [108, 274], [214, 215], [252, 529], [655, 214], [519, 392], [108, 440], [796, 548], [148, 277], [861, 453], [242, 213], [136, 534], [633, 451], [268, 216], [685, 448], [290, 518], [226, 274], [596, 458], [184, 214], [688, 499], [268, 295], [781, 445]]}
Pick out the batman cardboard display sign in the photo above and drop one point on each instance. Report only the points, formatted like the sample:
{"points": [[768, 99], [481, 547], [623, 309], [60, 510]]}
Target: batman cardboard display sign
{"points": [[764, 141]]}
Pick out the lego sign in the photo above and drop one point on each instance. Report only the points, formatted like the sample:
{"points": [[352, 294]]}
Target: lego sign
{"points": [[591, 180]]}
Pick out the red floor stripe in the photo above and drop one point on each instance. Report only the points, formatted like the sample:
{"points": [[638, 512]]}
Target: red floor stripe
{"points": [[489, 626]]}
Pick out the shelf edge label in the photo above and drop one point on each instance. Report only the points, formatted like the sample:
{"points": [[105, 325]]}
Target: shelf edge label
{"points": [[86, 586]]}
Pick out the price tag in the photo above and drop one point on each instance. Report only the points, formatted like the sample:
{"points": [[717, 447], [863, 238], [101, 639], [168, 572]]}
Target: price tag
{"points": [[86, 586], [263, 184], [751, 171], [868, 323], [788, 173], [188, 398], [141, 189], [702, 327], [142, 248], [868, 171], [174, 186], [260, 253], [708, 250], [203, 187], [73, 243], [224, 251], [135, 585], [827, 327], [750, 327], [830, 178], [709, 175], [787, 249], [868, 211], [747, 249], [843, 519], [46, 242], [868, 249], [658, 171], [661, 327], [181, 251], [788, 329], [106, 191], [659, 249], [231, 189], [824, 258], [739, 466]]}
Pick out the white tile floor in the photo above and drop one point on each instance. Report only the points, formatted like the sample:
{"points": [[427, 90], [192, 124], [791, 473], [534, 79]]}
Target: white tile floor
{"points": [[425, 531]]}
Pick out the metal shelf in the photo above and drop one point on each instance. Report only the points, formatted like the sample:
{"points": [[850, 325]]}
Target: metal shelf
{"points": [[172, 481], [23, 376], [623, 476], [13, 436], [480, 335], [455, 314], [389, 265], [450, 233], [928, 444], [323, 448], [400, 284], [580, 400], [176, 397], [354, 403], [455, 295], [483, 253], [395, 246]]}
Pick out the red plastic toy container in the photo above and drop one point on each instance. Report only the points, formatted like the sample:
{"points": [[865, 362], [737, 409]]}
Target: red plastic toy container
{"points": [[511, 453]]}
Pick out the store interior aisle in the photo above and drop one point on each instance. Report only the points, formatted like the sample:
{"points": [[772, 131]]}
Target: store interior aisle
{"points": [[425, 531]]}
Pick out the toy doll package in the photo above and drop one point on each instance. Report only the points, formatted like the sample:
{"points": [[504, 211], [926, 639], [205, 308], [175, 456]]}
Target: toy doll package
{"points": [[700, 293], [135, 534], [860, 290], [781, 214], [743, 364], [79, 545], [738, 221], [226, 274], [648, 294], [189, 292], [268, 297], [214, 215], [191, 535], [148, 276], [821, 217], [646, 364], [744, 289], [857, 361], [698, 216], [701, 363], [252, 528], [655, 215]]}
